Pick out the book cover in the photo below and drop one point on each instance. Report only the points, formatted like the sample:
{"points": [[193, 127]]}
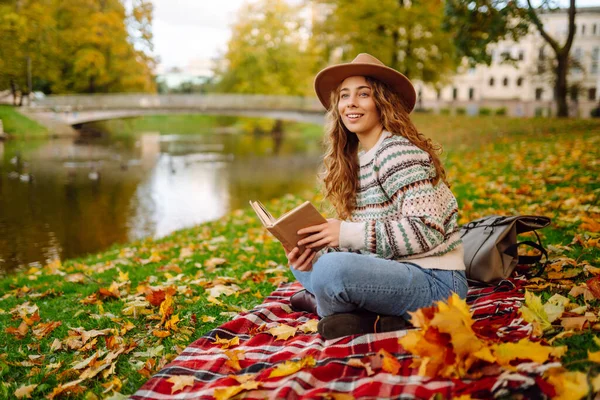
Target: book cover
{"points": [[285, 228]]}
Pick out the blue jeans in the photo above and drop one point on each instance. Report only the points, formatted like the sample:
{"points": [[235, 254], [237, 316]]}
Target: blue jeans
{"points": [[344, 282]]}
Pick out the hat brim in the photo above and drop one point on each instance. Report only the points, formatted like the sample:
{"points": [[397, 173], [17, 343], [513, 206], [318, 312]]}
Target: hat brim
{"points": [[329, 78]]}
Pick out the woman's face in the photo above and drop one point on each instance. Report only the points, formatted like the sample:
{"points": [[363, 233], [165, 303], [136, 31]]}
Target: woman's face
{"points": [[357, 107]]}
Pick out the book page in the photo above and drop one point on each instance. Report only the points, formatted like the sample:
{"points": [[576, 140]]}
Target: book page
{"points": [[262, 214], [268, 214]]}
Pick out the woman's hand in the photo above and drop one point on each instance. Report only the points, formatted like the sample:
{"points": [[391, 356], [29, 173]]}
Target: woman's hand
{"points": [[324, 235], [301, 262]]}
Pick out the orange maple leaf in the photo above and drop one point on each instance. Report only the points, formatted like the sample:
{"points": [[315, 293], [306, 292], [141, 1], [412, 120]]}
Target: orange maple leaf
{"points": [[166, 308]]}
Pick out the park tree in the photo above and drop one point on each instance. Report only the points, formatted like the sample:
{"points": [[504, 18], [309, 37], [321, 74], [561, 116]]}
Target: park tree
{"points": [[475, 24], [267, 52], [98, 55], [79, 46], [27, 41], [405, 35]]}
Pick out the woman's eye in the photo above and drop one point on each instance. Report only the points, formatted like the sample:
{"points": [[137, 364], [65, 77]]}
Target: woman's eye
{"points": [[364, 94], [344, 96]]}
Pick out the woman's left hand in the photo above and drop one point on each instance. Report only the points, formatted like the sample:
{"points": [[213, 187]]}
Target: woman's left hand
{"points": [[324, 235]]}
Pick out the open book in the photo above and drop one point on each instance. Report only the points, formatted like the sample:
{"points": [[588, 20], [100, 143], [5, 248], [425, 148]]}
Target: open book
{"points": [[285, 228]]}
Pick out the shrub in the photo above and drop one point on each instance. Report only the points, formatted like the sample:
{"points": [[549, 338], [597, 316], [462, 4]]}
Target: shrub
{"points": [[485, 111], [461, 111], [423, 110], [445, 111], [501, 111]]}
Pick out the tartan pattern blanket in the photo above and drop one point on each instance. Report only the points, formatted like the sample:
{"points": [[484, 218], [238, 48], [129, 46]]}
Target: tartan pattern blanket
{"points": [[495, 310]]}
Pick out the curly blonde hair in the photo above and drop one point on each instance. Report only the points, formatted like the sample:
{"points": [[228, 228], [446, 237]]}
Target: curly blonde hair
{"points": [[340, 164]]}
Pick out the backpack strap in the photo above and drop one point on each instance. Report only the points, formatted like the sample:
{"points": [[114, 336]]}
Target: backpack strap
{"points": [[530, 260]]}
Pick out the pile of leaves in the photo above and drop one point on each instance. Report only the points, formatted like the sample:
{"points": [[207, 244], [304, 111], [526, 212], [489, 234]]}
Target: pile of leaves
{"points": [[100, 326], [448, 347]]}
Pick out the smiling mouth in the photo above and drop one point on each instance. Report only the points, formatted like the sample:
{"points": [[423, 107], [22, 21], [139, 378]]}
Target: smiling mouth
{"points": [[353, 117]]}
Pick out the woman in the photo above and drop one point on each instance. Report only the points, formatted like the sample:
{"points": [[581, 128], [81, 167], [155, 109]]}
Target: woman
{"points": [[396, 246]]}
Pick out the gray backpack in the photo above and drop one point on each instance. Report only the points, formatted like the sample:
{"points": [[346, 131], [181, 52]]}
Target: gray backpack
{"points": [[491, 247]]}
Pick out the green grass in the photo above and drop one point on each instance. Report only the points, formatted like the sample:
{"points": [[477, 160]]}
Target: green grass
{"points": [[496, 165], [19, 126]]}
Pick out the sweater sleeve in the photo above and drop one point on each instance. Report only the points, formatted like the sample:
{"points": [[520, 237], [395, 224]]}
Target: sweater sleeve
{"points": [[415, 222]]}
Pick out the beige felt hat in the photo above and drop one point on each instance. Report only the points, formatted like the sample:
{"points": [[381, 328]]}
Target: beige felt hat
{"points": [[364, 64]]}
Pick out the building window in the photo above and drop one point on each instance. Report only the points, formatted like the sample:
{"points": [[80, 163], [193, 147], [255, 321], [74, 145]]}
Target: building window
{"points": [[538, 93], [439, 94], [471, 93], [454, 93], [491, 81], [574, 92], [577, 60], [594, 28], [582, 30], [541, 67], [541, 54], [519, 81], [505, 82], [595, 60], [592, 94], [521, 55]]}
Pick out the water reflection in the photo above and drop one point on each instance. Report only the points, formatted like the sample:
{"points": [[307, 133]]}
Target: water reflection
{"points": [[65, 198]]}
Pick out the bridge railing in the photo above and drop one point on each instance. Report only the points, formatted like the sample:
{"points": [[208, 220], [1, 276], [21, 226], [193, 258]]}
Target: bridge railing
{"points": [[177, 101]]}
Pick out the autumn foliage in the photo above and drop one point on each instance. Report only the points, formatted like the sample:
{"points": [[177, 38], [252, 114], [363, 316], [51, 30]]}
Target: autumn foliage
{"points": [[102, 325]]}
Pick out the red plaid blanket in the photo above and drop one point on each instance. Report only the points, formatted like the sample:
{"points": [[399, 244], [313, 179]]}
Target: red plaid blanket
{"points": [[495, 310]]}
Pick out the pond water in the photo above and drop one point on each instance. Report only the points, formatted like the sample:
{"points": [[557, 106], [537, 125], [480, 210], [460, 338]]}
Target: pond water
{"points": [[65, 198]]}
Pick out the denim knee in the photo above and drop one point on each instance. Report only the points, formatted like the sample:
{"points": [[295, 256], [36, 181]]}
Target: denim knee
{"points": [[331, 271]]}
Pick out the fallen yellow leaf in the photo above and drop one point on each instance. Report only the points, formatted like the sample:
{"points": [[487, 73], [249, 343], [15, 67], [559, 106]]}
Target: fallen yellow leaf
{"points": [[227, 343], [524, 349], [595, 356], [161, 334], [206, 318], [309, 326], [283, 332], [569, 385], [180, 381], [291, 367], [389, 362], [24, 391], [355, 362], [166, 308], [234, 358], [534, 312], [229, 392]]}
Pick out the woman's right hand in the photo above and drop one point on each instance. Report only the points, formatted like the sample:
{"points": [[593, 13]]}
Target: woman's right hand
{"points": [[301, 262]]}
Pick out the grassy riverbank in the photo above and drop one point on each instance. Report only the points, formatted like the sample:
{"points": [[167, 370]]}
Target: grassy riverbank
{"points": [[19, 126], [103, 324], [195, 123]]}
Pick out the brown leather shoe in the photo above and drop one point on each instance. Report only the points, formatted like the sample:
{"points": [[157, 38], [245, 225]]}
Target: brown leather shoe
{"points": [[360, 322], [303, 300]]}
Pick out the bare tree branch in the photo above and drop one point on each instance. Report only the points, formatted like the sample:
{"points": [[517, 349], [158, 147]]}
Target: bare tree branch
{"points": [[538, 23], [567, 47]]}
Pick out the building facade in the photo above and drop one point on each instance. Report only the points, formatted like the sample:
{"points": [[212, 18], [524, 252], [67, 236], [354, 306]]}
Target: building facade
{"points": [[524, 86]]}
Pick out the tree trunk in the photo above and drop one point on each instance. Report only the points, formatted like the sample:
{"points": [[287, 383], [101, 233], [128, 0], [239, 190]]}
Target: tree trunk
{"points": [[13, 90], [395, 61], [560, 85]]}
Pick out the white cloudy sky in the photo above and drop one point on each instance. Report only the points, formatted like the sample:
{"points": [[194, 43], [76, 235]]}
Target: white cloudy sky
{"points": [[186, 30], [192, 29]]}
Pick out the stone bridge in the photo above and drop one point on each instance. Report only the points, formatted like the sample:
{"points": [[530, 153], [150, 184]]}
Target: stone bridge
{"points": [[75, 110]]}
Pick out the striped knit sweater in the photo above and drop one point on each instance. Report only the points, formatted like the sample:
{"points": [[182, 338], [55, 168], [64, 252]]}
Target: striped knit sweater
{"points": [[399, 214]]}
